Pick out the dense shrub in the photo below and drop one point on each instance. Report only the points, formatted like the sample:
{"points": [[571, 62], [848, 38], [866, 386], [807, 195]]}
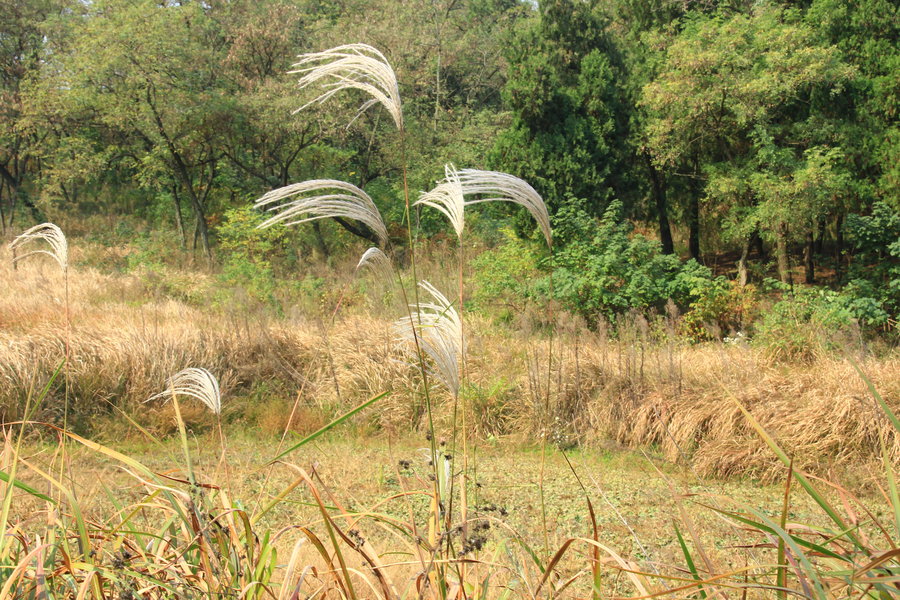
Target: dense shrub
{"points": [[604, 270], [873, 289], [723, 307], [506, 275], [805, 325], [247, 253]]}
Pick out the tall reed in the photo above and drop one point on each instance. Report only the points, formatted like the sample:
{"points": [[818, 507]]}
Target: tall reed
{"points": [[433, 329], [51, 241]]}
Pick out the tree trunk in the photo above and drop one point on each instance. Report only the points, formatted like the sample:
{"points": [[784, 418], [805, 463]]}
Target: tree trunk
{"points": [[360, 230], [184, 176], [662, 209], [694, 225], [781, 254], [179, 220], [2, 213], [756, 243], [196, 232], [809, 265], [820, 240], [202, 228], [320, 241], [742, 263], [839, 247]]}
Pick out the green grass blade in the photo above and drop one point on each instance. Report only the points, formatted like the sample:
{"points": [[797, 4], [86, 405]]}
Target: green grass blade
{"points": [[25, 487], [8, 496], [692, 567], [884, 407], [329, 426], [801, 479], [892, 485], [791, 541], [781, 579], [758, 525]]}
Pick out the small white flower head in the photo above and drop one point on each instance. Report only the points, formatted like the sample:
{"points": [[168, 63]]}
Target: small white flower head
{"points": [[47, 233], [321, 199], [352, 66], [440, 334], [199, 384]]}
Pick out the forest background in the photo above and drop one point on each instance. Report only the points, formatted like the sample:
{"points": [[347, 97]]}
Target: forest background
{"points": [[756, 140]]}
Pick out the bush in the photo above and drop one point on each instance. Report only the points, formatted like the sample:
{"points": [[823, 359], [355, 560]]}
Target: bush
{"points": [[873, 290], [805, 325], [246, 254], [604, 271], [505, 275], [722, 307]]}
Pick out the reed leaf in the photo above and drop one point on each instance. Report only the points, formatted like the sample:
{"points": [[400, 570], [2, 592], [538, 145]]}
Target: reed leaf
{"points": [[322, 199], [352, 66]]}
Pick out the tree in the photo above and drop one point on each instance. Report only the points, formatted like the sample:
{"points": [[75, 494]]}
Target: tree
{"points": [[568, 116], [22, 39], [738, 104], [147, 76]]}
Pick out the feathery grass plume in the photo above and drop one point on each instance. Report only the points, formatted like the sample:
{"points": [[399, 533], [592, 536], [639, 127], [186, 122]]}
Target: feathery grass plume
{"points": [[448, 198], [503, 187], [439, 330], [196, 383], [321, 199], [376, 260], [352, 66], [52, 235]]}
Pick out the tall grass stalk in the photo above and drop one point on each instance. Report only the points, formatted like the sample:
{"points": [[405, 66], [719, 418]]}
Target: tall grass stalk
{"points": [[57, 248], [361, 67], [449, 198]]}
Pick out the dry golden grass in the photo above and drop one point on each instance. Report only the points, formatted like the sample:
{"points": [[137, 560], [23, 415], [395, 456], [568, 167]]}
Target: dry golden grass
{"points": [[366, 479], [645, 388]]}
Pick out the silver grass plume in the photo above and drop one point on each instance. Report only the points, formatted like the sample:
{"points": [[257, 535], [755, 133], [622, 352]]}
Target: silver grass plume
{"points": [[321, 199], [196, 383], [450, 193], [502, 187], [46, 232], [448, 198], [375, 259], [439, 330], [352, 66]]}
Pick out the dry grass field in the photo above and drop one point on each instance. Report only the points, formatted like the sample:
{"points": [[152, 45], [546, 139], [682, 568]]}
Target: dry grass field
{"points": [[637, 499], [645, 388], [637, 474]]}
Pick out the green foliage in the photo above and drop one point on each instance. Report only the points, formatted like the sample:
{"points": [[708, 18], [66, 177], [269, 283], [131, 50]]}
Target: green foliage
{"points": [[874, 275], [568, 111], [740, 103], [505, 275], [604, 271], [248, 252], [805, 325], [722, 307]]}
